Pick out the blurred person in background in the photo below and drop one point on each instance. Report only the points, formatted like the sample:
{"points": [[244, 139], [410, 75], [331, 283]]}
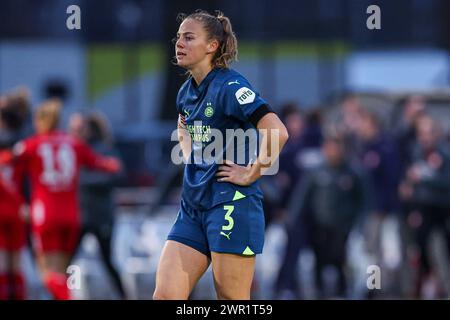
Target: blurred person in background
{"points": [[289, 165], [305, 137], [377, 154], [426, 186], [334, 196], [52, 160], [15, 115], [349, 120], [412, 108], [12, 237], [12, 206], [277, 188], [96, 190], [405, 130], [77, 126]]}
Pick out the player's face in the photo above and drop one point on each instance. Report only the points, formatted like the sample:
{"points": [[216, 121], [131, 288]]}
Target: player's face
{"points": [[192, 47], [426, 133]]}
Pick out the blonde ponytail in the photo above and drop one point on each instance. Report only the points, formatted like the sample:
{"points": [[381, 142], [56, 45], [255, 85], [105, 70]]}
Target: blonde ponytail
{"points": [[217, 27]]}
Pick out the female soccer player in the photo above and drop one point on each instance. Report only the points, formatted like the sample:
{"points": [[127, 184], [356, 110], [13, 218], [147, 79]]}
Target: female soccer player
{"points": [[221, 218], [52, 160], [12, 237], [13, 111]]}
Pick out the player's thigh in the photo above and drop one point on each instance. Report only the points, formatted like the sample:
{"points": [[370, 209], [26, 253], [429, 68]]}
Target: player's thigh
{"points": [[50, 246], [70, 236], [233, 275], [3, 247], [180, 267], [16, 261], [54, 261], [18, 241], [3, 261]]}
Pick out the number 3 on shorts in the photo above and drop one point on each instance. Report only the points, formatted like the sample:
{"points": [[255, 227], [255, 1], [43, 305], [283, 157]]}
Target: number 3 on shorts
{"points": [[228, 217]]}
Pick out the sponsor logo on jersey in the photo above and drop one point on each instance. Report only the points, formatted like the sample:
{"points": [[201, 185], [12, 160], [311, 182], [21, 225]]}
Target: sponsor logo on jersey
{"points": [[225, 234], [233, 82], [244, 95]]}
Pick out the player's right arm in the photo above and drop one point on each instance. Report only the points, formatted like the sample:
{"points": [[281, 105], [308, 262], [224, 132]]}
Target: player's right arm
{"points": [[96, 161], [18, 159]]}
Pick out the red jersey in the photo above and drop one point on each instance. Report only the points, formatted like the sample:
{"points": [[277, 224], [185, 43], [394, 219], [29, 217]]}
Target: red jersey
{"points": [[53, 161]]}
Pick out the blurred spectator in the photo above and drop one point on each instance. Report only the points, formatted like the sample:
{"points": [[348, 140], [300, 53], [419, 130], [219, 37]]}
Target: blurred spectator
{"points": [[379, 157], [96, 190], [349, 121], [334, 195], [15, 115], [286, 285], [298, 154], [312, 135], [77, 126], [405, 131], [290, 168], [426, 186]]}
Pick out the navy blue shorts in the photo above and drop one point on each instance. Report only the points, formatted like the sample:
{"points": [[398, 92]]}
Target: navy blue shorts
{"points": [[234, 227]]}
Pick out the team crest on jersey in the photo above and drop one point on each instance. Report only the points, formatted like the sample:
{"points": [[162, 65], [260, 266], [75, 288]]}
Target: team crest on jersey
{"points": [[209, 111], [244, 95]]}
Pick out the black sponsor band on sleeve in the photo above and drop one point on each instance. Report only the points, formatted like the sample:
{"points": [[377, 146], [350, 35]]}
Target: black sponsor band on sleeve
{"points": [[259, 113]]}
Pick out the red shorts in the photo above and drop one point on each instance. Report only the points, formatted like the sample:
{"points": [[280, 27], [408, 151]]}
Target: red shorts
{"points": [[54, 231], [12, 232], [56, 238]]}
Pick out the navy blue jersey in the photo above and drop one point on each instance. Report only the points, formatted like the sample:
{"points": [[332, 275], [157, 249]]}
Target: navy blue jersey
{"points": [[223, 100]]}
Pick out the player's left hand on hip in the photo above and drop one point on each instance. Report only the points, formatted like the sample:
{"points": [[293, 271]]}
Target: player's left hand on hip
{"points": [[234, 173]]}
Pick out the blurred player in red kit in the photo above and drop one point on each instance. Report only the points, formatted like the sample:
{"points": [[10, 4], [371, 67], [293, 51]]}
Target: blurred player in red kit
{"points": [[12, 226], [52, 159], [12, 237]]}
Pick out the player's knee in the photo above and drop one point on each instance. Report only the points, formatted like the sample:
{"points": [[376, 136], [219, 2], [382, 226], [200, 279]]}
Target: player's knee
{"points": [[162, 294], [158, 295], [224, 293]]}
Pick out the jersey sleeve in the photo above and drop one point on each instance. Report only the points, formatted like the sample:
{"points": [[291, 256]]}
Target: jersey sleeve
{"points": [[88, 158], [94, 161], [239, 99], [22, 152]]}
